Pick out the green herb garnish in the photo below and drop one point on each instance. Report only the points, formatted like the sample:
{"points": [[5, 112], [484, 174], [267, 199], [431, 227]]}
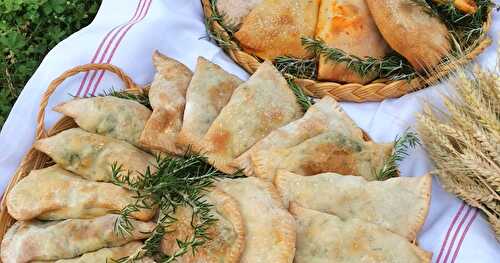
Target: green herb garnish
{"points": [[142, 97], [175, 182], [393, 67], [401, 146], [304, 100]]}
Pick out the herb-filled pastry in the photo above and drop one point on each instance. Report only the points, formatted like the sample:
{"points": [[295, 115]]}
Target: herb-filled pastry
{"points": [[28, 241], [53, 193], [92, 156], [167, 97], [257, 107], [109, 116], [398, 204], [208, 92], [326, 238], [328, 152]]}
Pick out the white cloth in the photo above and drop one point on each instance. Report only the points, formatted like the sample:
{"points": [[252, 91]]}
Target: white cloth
{"points": [[453, 232]]}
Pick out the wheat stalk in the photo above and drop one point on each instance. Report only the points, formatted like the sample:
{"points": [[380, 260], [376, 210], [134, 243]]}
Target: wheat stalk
{"points": [[463, 140]]}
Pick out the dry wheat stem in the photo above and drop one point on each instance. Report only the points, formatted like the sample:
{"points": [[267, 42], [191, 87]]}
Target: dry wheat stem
{"points": [[463, 140]]}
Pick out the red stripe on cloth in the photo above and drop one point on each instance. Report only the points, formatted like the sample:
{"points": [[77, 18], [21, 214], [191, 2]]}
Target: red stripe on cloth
{"points": [[99, 48], [450, 248], [457, 250], [131, 22], [101, 73], [452, 224]]}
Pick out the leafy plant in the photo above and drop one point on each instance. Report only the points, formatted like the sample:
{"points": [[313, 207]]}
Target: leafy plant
{"points": [[28, 30], [175, 182], [401, 146]]}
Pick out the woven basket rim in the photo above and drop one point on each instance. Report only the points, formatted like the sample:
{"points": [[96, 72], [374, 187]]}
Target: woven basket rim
{"points": [[376, 90], [35, 159]]}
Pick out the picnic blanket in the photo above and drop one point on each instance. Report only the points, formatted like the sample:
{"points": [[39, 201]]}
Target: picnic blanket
{"points": [[126, 32]]}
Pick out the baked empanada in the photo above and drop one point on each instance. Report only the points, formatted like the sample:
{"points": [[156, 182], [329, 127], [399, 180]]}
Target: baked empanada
{"points": [[92, 156], [412, 31], [227, 234], [106, 255], [167, 96], [257, 107], [27, 241], [269, 228], [328, 152], [274, 28], [53, 193], [398, 204], [109, 116], [322, 116], [326, 238], [234, 11], [347, 25], [209, 91]]}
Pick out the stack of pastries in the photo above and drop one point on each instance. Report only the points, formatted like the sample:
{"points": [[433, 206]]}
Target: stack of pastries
{"points": [[309, 193], [361, 28]]}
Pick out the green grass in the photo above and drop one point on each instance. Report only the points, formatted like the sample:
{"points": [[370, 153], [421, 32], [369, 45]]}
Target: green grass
{"points": [[28, 30]]}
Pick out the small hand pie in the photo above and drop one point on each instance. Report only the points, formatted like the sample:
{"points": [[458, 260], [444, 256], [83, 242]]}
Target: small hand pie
{"points": [[398, 204], [347, 25], [109, 116], [326, 238], [269, 228], [92, 156], [209, 91], [257, 107], [27, 241], [167, 97], [227, 234], [411, 31], [53, 193], [274, 28], [325, 115], [328, 152], [105, 255], [234, 11]]}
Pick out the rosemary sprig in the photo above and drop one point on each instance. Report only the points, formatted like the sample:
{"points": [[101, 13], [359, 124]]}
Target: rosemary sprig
{"points": [[177, 181], [142, 97], [393, 67], [464, 27], [223, 40], [304, 100], [401, 146], [297, 67]]}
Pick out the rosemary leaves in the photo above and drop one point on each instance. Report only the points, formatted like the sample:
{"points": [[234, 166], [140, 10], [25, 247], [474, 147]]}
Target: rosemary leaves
{"points": [[401, 146], [178, 181], [393, 67]]}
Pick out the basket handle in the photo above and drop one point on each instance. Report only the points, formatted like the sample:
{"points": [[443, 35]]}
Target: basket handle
{"points": [[40, 128]]}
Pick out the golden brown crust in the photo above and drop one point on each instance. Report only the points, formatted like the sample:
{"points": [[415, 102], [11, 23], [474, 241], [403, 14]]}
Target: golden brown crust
{"points": [[402, 25], [348, 26], [208, 92], [160, 131], [274, 28], [270, 238], [256, 108], [167, 96], [425, 193]]}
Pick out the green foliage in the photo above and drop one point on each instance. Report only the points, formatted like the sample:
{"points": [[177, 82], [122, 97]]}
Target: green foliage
{"points": [[28, 30], [175, 182], [393, 66], [402, 145], [304, 100]]}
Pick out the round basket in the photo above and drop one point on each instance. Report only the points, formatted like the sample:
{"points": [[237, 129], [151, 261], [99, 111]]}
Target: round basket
{"points": [[35, 159], [377, 90]]}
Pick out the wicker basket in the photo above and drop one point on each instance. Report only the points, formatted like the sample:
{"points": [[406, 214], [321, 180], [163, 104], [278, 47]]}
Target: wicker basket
{"points": [[36, 159], [377, 90]]}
